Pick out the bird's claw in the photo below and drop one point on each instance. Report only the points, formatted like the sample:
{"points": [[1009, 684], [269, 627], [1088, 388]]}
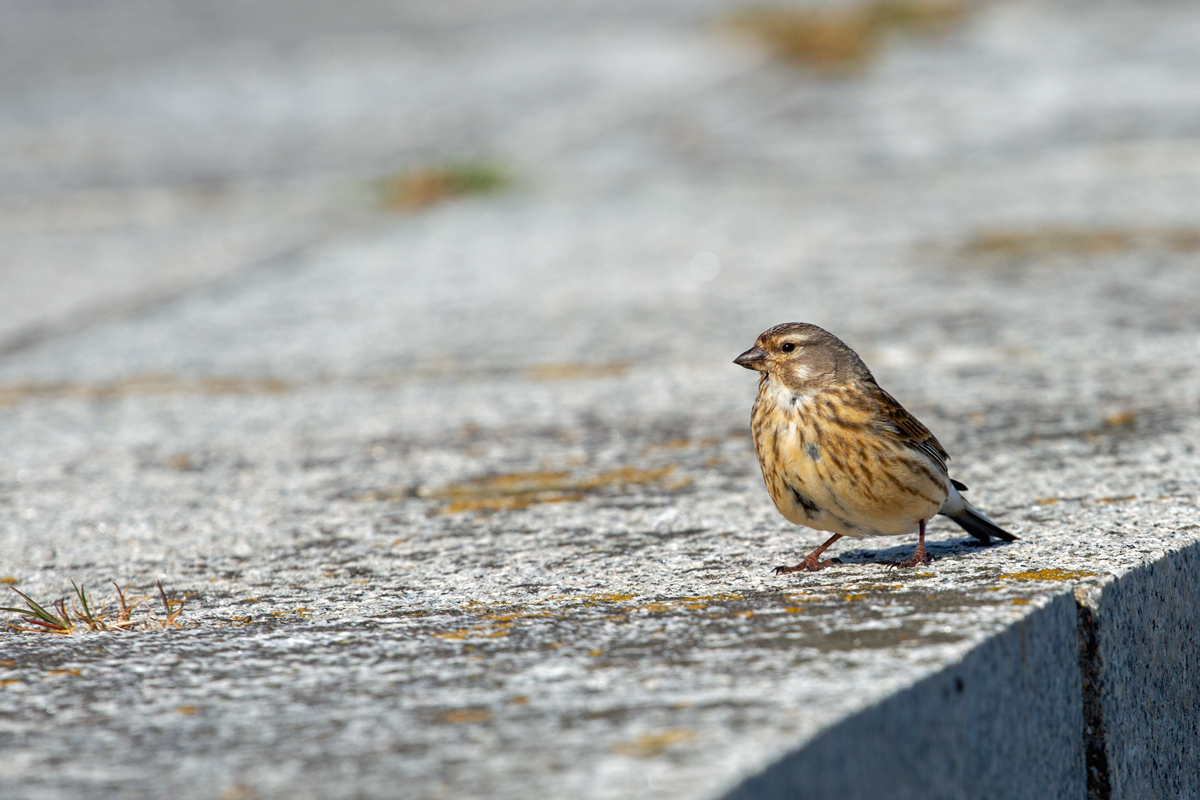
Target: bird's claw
{"points": [[919, 559]]}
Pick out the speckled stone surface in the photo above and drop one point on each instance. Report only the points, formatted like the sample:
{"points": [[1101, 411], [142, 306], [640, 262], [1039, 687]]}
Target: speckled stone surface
{"points": [[462, 502], [1146, 668], [1003, 722]]}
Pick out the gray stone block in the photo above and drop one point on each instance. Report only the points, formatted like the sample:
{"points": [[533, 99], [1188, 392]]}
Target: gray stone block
{"points": [[1004, 723], [462, 498], [1143, 666]]}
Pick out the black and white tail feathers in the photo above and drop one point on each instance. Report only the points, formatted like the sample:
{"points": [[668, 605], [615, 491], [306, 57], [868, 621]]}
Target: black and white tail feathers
{"points": [[969, 518]]}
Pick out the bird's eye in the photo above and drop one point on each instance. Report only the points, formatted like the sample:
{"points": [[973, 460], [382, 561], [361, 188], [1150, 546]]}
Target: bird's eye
{"points": [[787, 347]]}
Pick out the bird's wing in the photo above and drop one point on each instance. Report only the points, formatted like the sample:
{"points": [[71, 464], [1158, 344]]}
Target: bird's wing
{"points": [[909, 430]]}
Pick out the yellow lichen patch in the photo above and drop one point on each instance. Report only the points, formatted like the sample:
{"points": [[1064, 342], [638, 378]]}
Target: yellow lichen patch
{"points": [[515, 615], [62, 672], [655, 608], [180, 461], [428, 186], [8, 663], [1047, 501], [300, 611], [1073, 240], [576, 371], [505, 492], [1121, 499], [512, 484], [685, 603], [477, 631], [607, 598], [684, 444], [626, 476], [508, 503], [1048, 575], [9, 580], [240, 793], [1122, 419], [9, 681], [186, 710], [838, 38], [521, 489], [461, 633], [652, 745], [493, 633], [467, 715], [1020, 601], [682, 482], [140, 385], [854, 597], [501, 617], [794, 609]]}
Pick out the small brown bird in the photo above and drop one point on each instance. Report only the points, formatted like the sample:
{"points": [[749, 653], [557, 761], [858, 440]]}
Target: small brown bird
{"points": [[839, 454]]}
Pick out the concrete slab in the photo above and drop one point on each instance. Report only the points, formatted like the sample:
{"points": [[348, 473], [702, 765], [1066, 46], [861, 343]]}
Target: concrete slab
{"points": [[463, 502]]}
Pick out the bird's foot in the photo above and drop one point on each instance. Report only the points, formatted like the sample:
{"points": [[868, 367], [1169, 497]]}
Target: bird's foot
{"points": [[919, 558], [810, 564]]}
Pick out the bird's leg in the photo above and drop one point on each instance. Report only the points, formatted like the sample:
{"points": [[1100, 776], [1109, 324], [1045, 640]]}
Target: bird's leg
{"points": [[812, 563], [919, 557]]}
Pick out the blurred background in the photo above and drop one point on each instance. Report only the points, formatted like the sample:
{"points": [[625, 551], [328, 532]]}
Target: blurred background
{"points": [[495, 214], [625, 176]]}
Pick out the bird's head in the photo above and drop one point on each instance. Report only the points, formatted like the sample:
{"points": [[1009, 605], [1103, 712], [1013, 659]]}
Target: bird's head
{"points": [[802, 355]]}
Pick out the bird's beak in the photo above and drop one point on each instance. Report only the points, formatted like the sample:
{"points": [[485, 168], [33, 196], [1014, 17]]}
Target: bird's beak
{"points": [[754, 358]]}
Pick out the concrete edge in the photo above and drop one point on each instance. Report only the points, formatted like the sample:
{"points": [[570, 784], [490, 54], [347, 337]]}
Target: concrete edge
{"points": [[1094, 695]]}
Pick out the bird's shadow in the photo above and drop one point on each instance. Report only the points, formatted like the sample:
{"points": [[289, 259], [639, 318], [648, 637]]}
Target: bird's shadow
{"points": [[865, 554]]}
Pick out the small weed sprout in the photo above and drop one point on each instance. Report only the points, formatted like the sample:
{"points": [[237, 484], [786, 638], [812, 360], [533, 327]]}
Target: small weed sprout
{"points": [[80, 613], [428, 186]]}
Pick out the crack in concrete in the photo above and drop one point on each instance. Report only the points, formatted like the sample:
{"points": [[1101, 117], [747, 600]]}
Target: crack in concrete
{"points": [[1095, 740]]}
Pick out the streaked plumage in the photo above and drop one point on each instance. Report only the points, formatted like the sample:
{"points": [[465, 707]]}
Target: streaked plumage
{"points": [[840, 454]]}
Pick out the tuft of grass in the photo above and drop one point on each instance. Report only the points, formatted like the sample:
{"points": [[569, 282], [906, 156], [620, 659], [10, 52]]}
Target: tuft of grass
{"points": [[79, 613], [843, 38], [426, 186]]}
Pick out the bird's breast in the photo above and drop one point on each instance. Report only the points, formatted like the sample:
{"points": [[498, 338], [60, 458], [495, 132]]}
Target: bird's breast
{"points": [[827, 466]]}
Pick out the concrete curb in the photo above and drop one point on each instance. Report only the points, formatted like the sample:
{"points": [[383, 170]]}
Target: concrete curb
{"points": [[1141, 656], [1095, 695]]}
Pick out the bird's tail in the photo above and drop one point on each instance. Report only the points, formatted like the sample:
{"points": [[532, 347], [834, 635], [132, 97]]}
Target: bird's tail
{"points": [[980, 526], [971, 519]]}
